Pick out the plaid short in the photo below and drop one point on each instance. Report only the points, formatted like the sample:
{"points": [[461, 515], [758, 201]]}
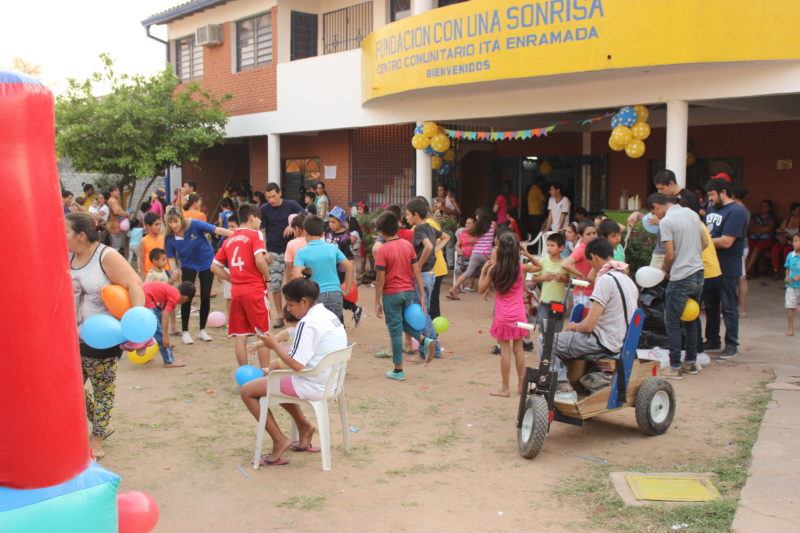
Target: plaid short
{"points": [[276, 270]]}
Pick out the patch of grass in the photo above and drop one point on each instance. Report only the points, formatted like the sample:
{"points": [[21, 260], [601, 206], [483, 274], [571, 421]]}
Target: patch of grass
{"points": [[304, 503], [431, 410], [447, 438], [441, 466], [606, 509]]}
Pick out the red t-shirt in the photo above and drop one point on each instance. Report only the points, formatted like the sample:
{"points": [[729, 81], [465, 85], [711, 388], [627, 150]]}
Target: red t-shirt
{"points": [[514, 227], [238, 254], [406, 234], [396, 257], [158, 295], [583, 265]]}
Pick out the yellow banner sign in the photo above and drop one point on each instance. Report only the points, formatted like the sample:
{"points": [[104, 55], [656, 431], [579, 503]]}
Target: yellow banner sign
{"points": [[484, 40]]}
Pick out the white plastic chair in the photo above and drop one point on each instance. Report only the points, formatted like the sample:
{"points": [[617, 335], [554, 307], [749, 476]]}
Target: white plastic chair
{"points": [[334, 390]]}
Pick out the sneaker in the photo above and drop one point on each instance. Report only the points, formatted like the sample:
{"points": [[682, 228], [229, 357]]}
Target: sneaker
{"points": [[690, 368], [187, 339], [565, 393], [671, 373], [397, 376], [495, 349], [468, 289], [711, 347], [357, 314], [278, 323], [527, 346], [205, 337], [429, 346], [728, 353]]}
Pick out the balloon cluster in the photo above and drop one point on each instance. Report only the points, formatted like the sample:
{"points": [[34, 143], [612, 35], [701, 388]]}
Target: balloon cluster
{"points": [[431, 139], [129, 324], [629, 129]]}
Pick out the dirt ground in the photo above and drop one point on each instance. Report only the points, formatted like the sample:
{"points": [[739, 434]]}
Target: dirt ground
{"points": [[433, 453]]}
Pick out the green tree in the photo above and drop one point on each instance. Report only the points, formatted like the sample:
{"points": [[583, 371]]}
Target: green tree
{"points": [[141, 127]]}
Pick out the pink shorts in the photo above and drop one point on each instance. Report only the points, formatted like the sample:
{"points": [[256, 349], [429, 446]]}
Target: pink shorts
{"points": [[287, 387]]}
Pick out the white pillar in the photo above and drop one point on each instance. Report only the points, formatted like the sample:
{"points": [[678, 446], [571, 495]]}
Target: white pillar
{"points": [[424, 175], [677, 132], [421, 6], [274, 158]]}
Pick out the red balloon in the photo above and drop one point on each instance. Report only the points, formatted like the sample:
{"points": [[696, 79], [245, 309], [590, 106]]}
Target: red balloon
{"points": [[138, 512], [351, 296]]}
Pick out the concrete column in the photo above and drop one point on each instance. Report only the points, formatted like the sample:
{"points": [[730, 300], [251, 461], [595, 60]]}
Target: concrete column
{"points": [[677, 132], [421, 6], [424, 180], [274, 158], [586, 170]]}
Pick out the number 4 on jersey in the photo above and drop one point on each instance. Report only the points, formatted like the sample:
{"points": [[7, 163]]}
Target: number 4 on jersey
{"points": [[237, 261]]}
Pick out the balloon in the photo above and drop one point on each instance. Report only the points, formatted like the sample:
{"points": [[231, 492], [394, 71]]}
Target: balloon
{"points": [[414, 316], [138, 324], [351, 296], [640, 131], [138, 512], [129, 346], [430, 129], [614, 145], [450, 155], [445, 168], [418, 130], [420, 141], [429, 150], [440, 142], [148, 354], [635, 149], [621, 135], [436, 162], [642, 114], [116, 299], [216, 319], [648, 276], [545, 168], [616, 120], [247, 373], [649, 227], [690, 311], [125, 224], [627, 116], [690, 159], [102, 331], [441, 324], [414, 344]]}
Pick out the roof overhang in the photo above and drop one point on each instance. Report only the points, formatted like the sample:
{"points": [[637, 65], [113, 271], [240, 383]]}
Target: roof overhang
{"points": [[181, 11]]}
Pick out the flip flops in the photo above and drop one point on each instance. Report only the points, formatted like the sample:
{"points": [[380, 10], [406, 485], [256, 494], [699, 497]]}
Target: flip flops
{"points": [[295, 447], [451, 297], [266, 461]]}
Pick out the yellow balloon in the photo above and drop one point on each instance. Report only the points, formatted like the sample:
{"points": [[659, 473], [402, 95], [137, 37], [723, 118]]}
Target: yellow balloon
{"points": [[690, 159], [545, 168], [430, 129], [635, 149], [420, 141], [149, 353], [436, 162], [614, 145], [450, 155], [640, 131], [621, 135], [642, 114], [690, 311], [440, 142]]}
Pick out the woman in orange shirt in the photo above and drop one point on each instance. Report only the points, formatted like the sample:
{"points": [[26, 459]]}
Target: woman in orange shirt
{"points": [[193, 208]]}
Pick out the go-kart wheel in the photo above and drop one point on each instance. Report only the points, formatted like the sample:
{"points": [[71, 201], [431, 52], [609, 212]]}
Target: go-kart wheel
{"points": [[655, 406], [532, 432]]}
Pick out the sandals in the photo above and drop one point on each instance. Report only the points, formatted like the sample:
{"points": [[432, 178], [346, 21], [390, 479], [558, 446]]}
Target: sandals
{"points": [[295, 447], [266, 461]]}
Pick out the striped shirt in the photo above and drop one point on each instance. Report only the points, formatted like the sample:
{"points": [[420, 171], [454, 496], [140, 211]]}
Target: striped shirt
{"points": [[483, 246]]}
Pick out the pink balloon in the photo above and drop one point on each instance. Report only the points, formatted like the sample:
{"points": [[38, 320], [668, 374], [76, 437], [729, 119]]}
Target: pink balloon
{"points": [[125, 225], [138, 512], [217, 319]]}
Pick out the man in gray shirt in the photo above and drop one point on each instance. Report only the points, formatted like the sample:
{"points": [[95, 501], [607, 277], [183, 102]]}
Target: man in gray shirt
{"points": [[684, 240]]}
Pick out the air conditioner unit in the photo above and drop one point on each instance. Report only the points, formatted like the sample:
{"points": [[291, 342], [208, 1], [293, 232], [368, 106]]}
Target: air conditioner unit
{"points": [[208, 35]]}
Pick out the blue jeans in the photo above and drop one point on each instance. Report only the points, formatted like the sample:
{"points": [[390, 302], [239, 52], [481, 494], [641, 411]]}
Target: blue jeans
{"points": [[428, 280], [724, 294], [166, 353], [332, 300], [677, 293]]}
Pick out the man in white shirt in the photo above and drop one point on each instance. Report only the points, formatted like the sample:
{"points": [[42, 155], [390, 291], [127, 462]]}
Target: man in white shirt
{"points": [[558, 207]]}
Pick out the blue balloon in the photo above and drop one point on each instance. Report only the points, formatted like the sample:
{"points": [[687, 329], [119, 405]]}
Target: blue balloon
{"points": [[649, 226], [139, 324], [415, 317], [102, 331], [418, 130], [247, 373], [616, 120], [627, 116], [430, 151]]}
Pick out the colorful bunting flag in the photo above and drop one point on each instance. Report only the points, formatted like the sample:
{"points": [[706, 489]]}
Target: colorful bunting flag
{"points": [[519, 134]]}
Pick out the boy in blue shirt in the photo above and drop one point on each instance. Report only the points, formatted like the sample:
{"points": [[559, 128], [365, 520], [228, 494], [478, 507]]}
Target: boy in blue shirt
{"points": [[323, 258], [792, 281]]}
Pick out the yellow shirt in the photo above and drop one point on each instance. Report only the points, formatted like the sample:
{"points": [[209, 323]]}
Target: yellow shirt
{"points": [[710, 261], [535, 201], [440, 267], [88, 203]]}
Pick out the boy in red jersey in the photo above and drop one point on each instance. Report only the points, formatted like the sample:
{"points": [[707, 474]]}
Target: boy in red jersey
{"points": [[244, 254]]}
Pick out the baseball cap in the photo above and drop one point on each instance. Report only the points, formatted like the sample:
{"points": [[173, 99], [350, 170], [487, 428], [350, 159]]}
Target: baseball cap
{"points": [[338, 213], [722, 176]]}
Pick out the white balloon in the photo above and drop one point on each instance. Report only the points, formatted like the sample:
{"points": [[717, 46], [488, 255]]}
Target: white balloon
{"points": [[648, 276]]}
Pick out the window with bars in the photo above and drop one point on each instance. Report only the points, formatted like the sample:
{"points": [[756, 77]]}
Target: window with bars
{"points": [[304, 35], [399, 9], [253, 42], [383, 165], [345, 28], [188, 59]]}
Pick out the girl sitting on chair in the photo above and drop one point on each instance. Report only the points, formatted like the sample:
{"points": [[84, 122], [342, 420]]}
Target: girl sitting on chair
{"points": [[318, 333]]}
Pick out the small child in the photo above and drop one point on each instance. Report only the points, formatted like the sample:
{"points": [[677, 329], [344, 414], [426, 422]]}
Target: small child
{"points": [[224, 216], [611, 231], [232, 222], [513, 216], [465, 241], [162, 299], [339, 235], [152, 239], [571, 239], [552, 277], [299, 242], [398, 270], [158, 267], [285, 337], [577, 264], [134, 240], [792, 281], [506, 274]]}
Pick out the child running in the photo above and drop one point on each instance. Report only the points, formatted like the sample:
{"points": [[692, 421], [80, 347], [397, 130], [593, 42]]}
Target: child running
{"points": [[483, 232], [244, 254], [162, 299], [792, 281], [505, 272], [397, 267]]}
